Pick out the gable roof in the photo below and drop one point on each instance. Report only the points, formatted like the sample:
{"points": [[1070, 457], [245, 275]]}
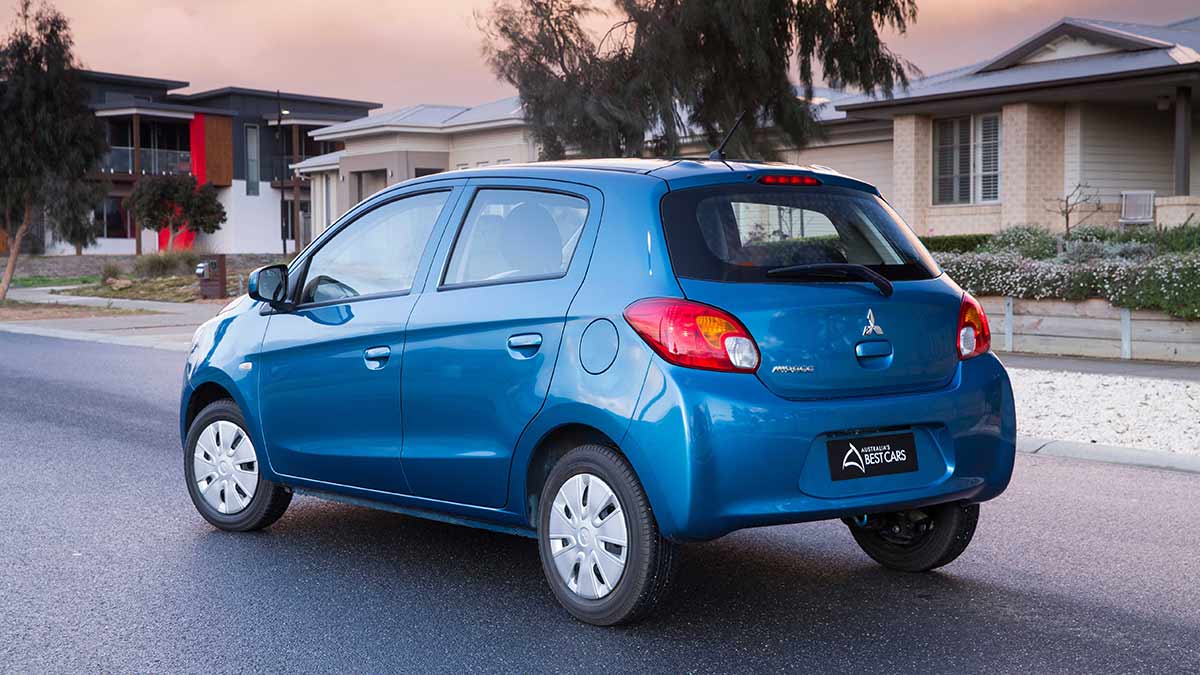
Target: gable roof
{"points": [[1135, 49], [430, 118]]}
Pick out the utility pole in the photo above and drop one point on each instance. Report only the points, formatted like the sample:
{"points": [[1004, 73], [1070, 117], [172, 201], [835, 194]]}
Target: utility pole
{"points": [[279, 147]]}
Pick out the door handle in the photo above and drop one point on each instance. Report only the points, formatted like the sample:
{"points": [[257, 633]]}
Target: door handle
{"points": [[526, 341], [376, 357]]}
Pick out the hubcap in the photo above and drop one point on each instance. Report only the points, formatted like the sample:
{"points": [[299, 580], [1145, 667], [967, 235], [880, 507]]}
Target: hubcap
{"points": [[225, 467], [588, 536]]}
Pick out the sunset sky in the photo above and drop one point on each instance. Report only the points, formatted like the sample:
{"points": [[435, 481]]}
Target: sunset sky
{"points": [[400, 53]]}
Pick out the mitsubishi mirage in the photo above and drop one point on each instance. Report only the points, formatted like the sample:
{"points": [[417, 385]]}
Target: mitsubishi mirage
{"points": [[614, 357]]}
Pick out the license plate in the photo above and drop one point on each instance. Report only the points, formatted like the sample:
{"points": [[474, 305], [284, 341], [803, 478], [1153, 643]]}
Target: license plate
{"points": [[872, 456]]}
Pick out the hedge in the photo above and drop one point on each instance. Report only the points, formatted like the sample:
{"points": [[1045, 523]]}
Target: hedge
{"points": [[954, 243], [1169, 283]]}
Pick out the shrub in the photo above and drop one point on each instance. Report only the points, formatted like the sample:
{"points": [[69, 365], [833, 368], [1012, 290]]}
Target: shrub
{"points": [[1169, 283], [1027, 241], [1181, 239], [166, 264], [110, 270], [955, 243], [1093, 233], [1083, 250]]}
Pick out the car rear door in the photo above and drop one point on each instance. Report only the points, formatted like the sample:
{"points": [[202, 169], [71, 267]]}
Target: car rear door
{"points": [[483, 339], [819, 335], [330, 385]]}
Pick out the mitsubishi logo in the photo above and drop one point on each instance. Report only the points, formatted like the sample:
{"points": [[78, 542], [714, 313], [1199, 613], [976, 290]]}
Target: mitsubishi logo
{"points": [[853, 458], [871, 328]]}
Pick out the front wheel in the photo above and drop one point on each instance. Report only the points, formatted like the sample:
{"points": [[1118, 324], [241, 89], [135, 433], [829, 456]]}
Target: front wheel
{"points": [[918, 540], [600, 546], [221, 467]]}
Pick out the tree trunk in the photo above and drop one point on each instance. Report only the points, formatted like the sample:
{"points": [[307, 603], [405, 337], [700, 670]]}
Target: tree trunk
{"points": [[14, 250], [78, 249], [170, 240]]}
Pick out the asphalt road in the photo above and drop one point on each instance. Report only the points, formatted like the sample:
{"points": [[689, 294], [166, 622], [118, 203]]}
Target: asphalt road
{"points": [[1079, 567]]}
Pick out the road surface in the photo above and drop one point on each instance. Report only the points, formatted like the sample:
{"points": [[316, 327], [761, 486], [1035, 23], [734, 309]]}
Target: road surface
{"points": [[1080, 566]]}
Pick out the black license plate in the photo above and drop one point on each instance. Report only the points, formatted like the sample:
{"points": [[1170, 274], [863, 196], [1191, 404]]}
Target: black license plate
{"points": [[872, 456]]}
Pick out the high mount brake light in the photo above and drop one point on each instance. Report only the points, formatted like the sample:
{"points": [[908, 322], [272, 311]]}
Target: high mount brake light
{"points": [[788, 179], [694, 335], [974, 335]]}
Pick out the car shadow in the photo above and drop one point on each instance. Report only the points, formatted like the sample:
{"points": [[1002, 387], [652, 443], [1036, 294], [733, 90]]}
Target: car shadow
{"points": [[770, 599]]}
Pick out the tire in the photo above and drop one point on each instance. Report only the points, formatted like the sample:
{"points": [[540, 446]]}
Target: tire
{"points": [[242, 510], [947, 531], [649, 558]]}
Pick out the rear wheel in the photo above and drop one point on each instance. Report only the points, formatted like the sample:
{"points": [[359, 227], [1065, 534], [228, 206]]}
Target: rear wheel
{"points": [[918, 540], [600, 546], [221, 466]]}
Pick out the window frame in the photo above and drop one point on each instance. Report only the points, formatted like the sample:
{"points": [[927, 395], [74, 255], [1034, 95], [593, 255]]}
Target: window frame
{"points": [[466, 212], [975, 173], [297, 281]]}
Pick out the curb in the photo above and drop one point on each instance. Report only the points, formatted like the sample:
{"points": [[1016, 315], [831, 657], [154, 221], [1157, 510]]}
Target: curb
{"points": [[1109, 454], [151, 342]]}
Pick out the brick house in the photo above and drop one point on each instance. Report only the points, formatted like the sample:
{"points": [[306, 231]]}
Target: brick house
{"points": [[1084, 102]]}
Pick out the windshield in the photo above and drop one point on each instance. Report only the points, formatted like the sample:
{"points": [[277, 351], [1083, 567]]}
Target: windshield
{"points": [[742, 232]]}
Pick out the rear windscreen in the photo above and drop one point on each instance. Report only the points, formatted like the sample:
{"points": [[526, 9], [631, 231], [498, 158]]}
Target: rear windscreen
{"points": [[740, 232]]}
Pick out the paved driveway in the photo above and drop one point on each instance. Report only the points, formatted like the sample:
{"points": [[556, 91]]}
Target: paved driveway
{"points": [[1080, 567]]}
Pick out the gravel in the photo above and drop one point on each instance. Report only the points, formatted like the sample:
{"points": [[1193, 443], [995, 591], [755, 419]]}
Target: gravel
{"points": [[1134, 412]]}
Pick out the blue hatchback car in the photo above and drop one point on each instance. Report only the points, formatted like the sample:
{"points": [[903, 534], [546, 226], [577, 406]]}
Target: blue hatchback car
{"points": [[614, 357]]}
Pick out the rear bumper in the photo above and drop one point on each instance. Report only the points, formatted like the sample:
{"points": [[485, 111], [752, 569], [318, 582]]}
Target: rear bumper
{"points": [[718, 452]]}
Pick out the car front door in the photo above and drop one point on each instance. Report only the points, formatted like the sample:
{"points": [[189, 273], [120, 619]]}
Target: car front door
{"points": [[481, 346], [330, 384]]}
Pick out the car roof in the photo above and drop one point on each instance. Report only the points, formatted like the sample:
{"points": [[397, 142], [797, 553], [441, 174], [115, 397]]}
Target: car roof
{"points": [[678, 172]]}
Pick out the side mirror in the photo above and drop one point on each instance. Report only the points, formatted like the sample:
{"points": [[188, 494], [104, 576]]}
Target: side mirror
{"points": [[270, 285]]}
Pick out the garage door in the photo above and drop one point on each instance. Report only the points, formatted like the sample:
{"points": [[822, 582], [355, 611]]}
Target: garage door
{"points": [[871, 162]]}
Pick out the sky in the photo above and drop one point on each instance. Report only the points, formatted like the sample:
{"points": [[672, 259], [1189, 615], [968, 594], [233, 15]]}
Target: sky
{"points": [[403, 52]]}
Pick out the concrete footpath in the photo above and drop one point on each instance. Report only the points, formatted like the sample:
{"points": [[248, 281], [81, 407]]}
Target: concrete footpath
{"points": [[170, 327]]}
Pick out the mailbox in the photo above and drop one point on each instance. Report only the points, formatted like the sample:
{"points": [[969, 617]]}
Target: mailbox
{"points": [[212, 276]]}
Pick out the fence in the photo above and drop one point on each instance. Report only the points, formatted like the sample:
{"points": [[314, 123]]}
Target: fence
{"points": [[1090, 328]]}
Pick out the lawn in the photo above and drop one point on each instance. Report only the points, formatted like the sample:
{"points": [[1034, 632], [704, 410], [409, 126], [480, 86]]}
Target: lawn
{"points": [[40, 281], [11, 310]]}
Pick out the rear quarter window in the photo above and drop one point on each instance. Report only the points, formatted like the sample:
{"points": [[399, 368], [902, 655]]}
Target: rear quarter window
{"points": [[741, 232]]}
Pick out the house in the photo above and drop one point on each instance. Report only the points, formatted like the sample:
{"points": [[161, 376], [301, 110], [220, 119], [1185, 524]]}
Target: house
{"points": [[1103, 104], [990, 145], [394, 146], [240, 140]]}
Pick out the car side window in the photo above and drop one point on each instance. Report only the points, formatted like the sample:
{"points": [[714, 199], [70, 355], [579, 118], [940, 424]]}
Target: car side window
{"points": [[377, 253], [516, 235]]}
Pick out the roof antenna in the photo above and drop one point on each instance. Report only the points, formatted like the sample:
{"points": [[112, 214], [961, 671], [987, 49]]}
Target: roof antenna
{"points": [[718, 155]]}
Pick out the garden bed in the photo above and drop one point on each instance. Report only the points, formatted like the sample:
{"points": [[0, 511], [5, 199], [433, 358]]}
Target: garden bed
{"points": [[1092, 327]]}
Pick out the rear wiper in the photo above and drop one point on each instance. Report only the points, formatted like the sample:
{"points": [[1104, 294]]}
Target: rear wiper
{"points": [[835, 271]]}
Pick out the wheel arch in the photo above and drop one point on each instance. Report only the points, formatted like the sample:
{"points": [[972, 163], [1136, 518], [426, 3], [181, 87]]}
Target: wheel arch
{"points": [[548, 450]]}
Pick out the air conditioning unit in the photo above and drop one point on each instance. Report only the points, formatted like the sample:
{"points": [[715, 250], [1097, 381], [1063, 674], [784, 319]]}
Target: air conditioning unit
{"points": [[1137, 207]]}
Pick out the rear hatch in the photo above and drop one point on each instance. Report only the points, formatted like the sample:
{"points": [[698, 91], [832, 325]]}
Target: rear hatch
{"points": [[840, 297]]}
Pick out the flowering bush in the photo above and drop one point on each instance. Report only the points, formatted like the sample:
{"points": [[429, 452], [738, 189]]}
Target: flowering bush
{"points": [[1170, 283], [1028, 241]]}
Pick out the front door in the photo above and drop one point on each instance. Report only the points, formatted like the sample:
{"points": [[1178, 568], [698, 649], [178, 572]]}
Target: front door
{"points": [[330, 383], [481, 347]]}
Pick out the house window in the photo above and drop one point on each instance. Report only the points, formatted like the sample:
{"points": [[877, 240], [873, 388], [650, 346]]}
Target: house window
{"points": [[112, 219], [252, 160], [966, 160]]}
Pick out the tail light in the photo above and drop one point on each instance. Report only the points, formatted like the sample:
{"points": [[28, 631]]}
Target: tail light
{"points": [[694, 335], [974, 335]]}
